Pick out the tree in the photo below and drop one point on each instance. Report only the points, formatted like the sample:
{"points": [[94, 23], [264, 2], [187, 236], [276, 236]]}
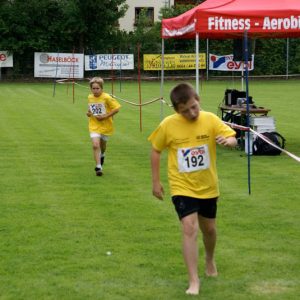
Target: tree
{"points": [[92, 24], [57, 25], [149, 36], [29, 25], [47, 25], [146, 34]]}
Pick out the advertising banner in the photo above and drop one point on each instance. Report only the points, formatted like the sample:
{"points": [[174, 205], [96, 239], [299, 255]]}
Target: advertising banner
{"points": [[6, 60], [184, 61], [109, 62], [226, 63], [58, 65]]}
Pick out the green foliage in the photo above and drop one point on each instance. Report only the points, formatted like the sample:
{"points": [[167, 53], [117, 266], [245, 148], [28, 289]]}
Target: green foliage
{"points": [[51, 25], [294, 56], [145, 34], [150, 36], [92, 23], [91, 26], [268, 56], [29, 25], [48, 25], [174, 11]]}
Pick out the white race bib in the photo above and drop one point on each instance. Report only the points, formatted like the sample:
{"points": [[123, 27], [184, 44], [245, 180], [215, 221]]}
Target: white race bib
{"points": [[193, 159], [97, 109]]}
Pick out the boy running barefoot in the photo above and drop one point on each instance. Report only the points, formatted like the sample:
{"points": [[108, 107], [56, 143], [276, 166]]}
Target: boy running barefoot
{"points": [[190, 137]]}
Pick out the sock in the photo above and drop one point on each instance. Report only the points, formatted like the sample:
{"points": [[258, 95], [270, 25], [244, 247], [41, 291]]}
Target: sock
{"points": [[99, 166], [102, 158]]}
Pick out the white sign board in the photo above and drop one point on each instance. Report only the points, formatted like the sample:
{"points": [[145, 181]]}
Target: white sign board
{"points": [[226, 63], [109, 62], [58, 65], [6, 60]]}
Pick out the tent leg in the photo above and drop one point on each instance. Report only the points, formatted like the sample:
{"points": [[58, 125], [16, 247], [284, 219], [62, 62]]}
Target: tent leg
{"points": [[207, 58], [247, 101], [197, 63], [162, 78]]}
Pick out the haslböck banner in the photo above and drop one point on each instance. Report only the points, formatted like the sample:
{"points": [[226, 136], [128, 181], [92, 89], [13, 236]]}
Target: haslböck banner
{"points": [[58, 65], [6, 60]]}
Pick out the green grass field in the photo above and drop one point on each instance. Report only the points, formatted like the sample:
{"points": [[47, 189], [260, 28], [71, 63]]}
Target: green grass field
{"points": [[58, 220]]}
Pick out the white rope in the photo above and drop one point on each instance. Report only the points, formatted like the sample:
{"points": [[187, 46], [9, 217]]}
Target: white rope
{"points": [[133, 103], [137, 104], [295, 157], [165, 102], [62, 81], [275, 146], [82, 85]]}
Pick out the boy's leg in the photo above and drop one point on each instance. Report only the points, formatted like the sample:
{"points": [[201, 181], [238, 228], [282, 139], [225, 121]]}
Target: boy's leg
{"points": [[190, 228], [97, 152], [103, 148], [96, 149], [208, 229]]}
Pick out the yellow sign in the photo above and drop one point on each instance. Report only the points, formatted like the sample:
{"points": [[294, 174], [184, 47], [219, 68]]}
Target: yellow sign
{"points": [[184, 61]]}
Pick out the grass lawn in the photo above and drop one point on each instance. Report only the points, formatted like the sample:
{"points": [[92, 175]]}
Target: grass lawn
{"points": [[58, 220]]}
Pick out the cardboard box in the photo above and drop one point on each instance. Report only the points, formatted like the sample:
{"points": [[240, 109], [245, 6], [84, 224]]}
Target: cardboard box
{"points": [[263, 124]]}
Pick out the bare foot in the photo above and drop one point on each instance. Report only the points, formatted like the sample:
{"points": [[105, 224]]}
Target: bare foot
{"points": [[193, 288], [211, 269]]}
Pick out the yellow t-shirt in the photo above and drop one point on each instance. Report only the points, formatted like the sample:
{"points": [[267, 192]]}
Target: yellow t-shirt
{"points": [[191, 153], [98, 106]]}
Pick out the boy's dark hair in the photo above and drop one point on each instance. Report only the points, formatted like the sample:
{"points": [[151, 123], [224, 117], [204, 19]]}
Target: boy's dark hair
{"points": [[182, 93]]}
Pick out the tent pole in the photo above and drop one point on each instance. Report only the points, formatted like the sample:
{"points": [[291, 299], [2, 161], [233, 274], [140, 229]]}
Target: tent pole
{"points": [[242, 81], [247, 115], [197, 63], [287, 57], [207, 58], [162, 78], [139, 82]]}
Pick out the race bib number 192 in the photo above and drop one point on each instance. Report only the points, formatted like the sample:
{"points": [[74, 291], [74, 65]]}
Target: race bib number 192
{"points": [[193, 159]]}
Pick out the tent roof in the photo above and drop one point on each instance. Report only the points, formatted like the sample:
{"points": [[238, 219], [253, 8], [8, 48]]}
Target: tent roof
{"points": [[230, 18]]}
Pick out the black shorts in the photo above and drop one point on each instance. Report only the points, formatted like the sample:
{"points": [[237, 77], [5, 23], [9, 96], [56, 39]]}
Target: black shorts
{"points": [[185, 206]]}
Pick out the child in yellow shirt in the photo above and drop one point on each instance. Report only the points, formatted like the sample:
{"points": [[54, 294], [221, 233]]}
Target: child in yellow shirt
{"points": [[101, 108], [190, 137]]}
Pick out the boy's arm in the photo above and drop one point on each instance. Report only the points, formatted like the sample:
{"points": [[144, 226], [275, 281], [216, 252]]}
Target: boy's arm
{"points": [[110, 114], [228, 142], [157, 188], [89, 113]]}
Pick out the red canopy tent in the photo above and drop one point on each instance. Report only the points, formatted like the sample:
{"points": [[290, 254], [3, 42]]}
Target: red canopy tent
{"points": [[230, 18], [221, 19]]}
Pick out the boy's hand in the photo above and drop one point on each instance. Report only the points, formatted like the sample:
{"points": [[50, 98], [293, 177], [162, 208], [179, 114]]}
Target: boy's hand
{"points": [[158, 191], [221, 140], [89, 113], [101, 117], [227, 142]]}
